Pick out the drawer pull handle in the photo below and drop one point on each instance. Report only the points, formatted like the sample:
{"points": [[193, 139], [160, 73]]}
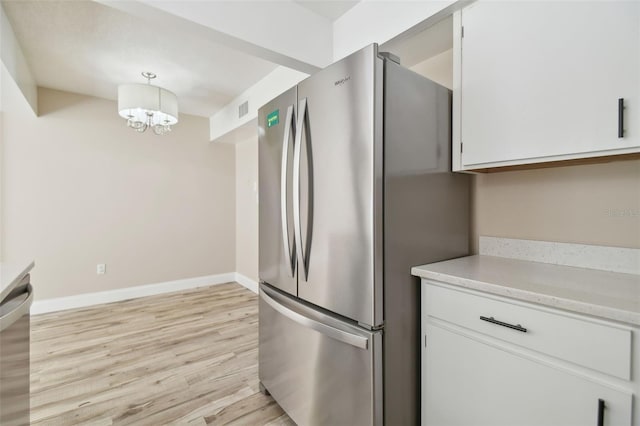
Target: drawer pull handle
{"points": [[601, 408], [492, 320]]}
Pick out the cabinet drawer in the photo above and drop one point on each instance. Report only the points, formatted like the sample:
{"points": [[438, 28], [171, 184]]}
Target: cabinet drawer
{"points": [[597, 345]]}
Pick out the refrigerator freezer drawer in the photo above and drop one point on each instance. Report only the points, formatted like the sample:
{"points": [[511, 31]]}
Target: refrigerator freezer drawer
{"points": [[321, 370]]}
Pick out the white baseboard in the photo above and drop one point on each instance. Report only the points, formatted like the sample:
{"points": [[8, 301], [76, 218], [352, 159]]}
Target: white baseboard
{"points": [[247, 282], [98, 298]]}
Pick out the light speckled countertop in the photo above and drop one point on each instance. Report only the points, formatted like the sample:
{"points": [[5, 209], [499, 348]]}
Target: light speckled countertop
{"points": [[603, 294], [11, 274]]}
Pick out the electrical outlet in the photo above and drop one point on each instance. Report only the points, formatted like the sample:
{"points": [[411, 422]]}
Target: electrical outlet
{"points": [[101, 269]]}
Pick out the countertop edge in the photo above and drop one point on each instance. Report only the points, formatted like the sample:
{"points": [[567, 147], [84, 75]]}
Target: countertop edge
{"points": [[574, 306]]}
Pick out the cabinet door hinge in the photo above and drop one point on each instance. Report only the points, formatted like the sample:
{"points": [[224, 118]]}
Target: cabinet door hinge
{"points": [[462, 31], [461, 147], [425, 340]]}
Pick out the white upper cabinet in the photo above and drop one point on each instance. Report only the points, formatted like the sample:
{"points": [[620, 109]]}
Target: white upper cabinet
{"points": [[540, 81]]}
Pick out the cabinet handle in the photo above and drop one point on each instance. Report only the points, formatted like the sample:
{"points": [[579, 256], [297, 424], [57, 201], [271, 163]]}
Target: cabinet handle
{"points": [[601, 408], [621, 118], [492, 320]]}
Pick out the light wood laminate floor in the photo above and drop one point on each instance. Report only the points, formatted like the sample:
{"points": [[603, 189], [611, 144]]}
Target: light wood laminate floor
{"points": [[181, 358]]}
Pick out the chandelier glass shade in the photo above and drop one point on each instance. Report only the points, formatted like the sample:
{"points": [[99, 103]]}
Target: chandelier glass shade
{"points": [[147, 106]]}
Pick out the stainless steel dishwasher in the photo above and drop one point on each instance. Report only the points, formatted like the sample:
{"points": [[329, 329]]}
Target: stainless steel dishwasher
{"points": [[14, 353]]}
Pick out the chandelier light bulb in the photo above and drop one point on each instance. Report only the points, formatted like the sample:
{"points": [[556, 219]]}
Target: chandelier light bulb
{"points": [[161, 129]]}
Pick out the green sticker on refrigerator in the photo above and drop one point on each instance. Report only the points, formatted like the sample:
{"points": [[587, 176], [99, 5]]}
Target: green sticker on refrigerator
{"points": [[273, 118]]}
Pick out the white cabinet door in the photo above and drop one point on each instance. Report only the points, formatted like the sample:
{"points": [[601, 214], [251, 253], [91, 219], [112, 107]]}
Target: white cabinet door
{"points": [[469, 382], [540, 81]]}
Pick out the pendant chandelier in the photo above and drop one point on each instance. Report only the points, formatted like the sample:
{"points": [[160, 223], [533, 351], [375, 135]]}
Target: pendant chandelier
{"points": [[147, 106]]}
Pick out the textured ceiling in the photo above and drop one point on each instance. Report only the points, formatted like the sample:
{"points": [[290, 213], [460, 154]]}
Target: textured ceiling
{"points": [[85, 47]]}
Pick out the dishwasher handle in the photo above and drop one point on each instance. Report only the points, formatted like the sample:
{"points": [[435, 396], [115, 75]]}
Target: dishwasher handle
{"points": [[7, 319]]}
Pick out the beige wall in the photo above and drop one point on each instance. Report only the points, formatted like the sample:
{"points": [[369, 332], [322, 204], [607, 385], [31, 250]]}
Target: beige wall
{"points": [[80, 188], [587, 204], [247, 208]]}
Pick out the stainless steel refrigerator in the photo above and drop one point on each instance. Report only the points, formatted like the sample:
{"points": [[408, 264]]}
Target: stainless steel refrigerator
{"points": [[355, 188]]}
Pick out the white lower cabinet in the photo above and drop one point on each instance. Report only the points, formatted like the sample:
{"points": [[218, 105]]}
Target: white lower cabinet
{"points": [[471, 376]]}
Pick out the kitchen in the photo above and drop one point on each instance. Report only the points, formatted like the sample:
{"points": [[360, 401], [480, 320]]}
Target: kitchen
{"points": [[130, 205]]}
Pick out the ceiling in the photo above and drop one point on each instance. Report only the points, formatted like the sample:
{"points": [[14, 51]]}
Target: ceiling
{"points": [[330, 9], [88, 48]]}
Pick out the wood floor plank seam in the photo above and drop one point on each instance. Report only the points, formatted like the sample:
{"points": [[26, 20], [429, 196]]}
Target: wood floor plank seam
{"points": [[188, 357]]}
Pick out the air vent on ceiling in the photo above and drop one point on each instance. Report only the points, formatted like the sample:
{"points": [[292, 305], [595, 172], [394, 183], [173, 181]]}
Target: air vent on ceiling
{"points": [[243, 109]]}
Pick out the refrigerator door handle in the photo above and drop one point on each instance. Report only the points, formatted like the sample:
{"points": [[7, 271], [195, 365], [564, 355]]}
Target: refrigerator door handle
{"points": [[290, 251], [329, 331], [297, 152]]}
